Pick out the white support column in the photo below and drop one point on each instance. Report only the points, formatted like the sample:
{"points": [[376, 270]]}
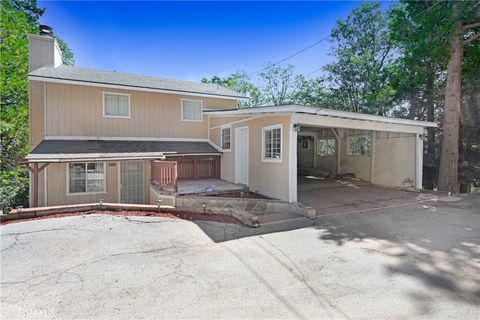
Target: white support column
{"points": [[45, 187], [292, 164], [372, 157], [338, 147], [419, 161]]}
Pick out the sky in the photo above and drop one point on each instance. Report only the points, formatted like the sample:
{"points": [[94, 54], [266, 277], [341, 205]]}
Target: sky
{"points": [[191, 40]]}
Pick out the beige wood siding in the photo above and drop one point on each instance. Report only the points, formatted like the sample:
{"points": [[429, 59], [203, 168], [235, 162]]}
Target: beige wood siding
{"points": [[57, 186], [270, 179], [36, 113], [74, 110], [217, 121]]}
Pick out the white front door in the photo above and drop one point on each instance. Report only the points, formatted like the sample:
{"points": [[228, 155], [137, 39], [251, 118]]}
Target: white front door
{"points": [[131, 182], [241, 155]]}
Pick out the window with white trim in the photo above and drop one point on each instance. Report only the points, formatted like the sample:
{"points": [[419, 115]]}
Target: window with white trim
{"points": [[116, 105], [86, 177], [272, 143], [358, 146], [226, 138], [191, 110], [326, 147]]}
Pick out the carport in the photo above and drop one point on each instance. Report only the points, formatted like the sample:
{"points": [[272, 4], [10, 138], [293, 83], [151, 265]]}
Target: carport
{"points": [[344, 159]]}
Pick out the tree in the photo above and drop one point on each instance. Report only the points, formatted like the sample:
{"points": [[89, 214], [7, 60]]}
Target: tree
{"points": [[15, 25], [239, 82], [465, 20], [277, 84], [67, 54], [17, 20], [311, 93], [361, 72]]}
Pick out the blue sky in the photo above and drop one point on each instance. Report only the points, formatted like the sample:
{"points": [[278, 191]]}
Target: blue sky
{"points": [[189, 40]]}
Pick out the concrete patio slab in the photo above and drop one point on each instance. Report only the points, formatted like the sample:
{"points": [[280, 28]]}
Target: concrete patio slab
{"points": [[332, 196]]}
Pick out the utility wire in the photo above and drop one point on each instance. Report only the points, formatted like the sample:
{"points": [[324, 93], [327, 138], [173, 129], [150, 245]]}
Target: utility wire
{"points": [[302, 50], [384, 33]]}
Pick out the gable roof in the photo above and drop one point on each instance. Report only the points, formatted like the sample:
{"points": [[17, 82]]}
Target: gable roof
{"points": [[133, 81], [295, 108], [68, 150]]}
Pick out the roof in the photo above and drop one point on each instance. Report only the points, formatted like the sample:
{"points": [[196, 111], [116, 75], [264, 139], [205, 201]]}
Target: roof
{"points": [[294, 108], [93, 76], [67, 150]]}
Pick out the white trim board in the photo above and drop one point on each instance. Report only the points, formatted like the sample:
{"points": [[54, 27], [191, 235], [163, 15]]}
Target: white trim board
{"points": [[267, 128], [233, 122], [321, 112], [124, 138], [333, 122], [132, 88]]}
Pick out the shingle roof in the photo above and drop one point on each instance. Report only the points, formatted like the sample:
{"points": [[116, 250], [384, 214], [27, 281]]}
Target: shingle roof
{"points": [[132, 80], [59, 150]]}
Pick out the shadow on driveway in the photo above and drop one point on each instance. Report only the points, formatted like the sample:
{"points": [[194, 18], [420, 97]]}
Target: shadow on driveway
{"points": [[437, 244]]}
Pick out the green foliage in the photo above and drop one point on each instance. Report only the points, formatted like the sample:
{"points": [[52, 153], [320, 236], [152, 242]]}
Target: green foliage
{"points": [[67, 54], [239, 82], [17, 20], [361, 73], [15, 25], [277, 84]]}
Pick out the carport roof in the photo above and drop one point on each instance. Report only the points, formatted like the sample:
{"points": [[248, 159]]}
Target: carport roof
{"points": [[295, 108], [69, 150]]}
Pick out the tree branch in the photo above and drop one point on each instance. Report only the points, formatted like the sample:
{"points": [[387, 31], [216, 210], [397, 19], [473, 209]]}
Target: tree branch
{"points": [[471, 38], [470, 26]]}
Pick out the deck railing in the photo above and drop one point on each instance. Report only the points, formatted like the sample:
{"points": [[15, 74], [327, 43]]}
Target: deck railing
{"points": [[165, 174]]}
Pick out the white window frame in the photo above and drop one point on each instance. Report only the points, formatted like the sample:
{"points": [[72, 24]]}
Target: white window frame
{"points": [[67, 167], [201, 110], [349, 138], [268, 128], [118, 94], [329, 155], [221, 138]]}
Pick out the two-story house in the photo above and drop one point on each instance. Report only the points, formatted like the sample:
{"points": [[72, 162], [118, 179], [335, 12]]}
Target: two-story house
{"points": [[98, 135]]}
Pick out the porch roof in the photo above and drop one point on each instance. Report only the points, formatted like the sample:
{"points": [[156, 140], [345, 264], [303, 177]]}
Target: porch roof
{"points": [[90, 150]]}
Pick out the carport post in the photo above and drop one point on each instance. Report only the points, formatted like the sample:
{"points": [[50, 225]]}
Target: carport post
{"points": [[337, 149], [372, 157], [419, 161]]}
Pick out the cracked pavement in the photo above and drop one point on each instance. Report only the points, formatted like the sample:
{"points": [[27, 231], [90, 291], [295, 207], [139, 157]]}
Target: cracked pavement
{"points": [[417, 261]]}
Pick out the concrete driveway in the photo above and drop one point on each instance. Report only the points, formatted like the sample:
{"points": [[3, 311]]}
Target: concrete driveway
{"points": [[417, 261]]}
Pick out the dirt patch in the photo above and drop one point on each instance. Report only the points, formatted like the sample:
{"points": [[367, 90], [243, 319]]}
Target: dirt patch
{"points": [[184, 215]]}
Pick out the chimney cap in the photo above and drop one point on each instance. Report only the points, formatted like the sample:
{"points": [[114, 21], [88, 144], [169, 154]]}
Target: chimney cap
{"points": [[45, 30]]}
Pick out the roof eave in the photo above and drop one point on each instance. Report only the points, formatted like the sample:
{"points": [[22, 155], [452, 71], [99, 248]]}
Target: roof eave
{"points": [[33, 77]]}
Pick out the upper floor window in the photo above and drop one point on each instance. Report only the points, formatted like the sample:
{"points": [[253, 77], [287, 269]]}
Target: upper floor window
{"points": [[272, 143], [226, 138], [86, 177], [116, 105], [326, 147], [191, 110], [358, 146]]}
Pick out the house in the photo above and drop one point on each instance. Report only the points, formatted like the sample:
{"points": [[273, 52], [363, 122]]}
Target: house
{"points": [[119, 137]]}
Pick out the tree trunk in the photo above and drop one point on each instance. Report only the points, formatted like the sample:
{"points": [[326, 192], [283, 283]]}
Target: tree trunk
{"points": [[448, 170], [430, 102]]}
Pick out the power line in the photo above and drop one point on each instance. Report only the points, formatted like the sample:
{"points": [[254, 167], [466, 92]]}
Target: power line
{"points": [[304, 49], [384, 33]]}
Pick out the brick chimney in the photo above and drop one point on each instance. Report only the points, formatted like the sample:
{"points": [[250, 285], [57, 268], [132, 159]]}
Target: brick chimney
{"points": [[43, 49]]}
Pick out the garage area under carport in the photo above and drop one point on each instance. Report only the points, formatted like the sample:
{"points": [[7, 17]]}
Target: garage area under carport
{"points": [[344, 164]]}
